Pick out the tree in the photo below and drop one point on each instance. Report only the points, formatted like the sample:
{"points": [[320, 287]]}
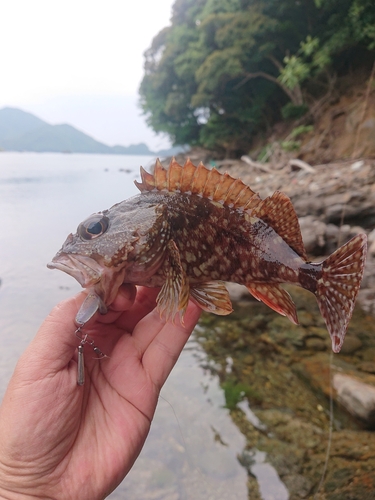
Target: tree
{"points": [[224, 69]]}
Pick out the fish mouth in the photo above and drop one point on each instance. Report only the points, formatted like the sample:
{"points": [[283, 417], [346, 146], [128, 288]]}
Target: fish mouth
{"points": [[84, 269]]}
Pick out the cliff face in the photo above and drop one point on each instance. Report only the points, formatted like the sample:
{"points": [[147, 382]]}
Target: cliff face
{"points": [[346, 129]]}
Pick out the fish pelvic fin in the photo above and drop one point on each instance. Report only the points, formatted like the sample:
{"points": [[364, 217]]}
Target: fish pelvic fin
{"points": [[338, 286], [212, 297], [276, 298], [174, 294]]}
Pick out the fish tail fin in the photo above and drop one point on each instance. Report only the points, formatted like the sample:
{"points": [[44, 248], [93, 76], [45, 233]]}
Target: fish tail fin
{"points": [[338, 286]]}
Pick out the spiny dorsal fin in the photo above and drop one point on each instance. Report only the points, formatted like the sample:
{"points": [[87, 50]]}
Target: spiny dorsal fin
{"points": [[278, 212], [161, 176], [201, 181], [174, 176]]}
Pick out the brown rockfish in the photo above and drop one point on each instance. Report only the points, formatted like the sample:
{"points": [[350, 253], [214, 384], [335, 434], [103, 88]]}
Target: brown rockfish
{"points": [[190, 230]]}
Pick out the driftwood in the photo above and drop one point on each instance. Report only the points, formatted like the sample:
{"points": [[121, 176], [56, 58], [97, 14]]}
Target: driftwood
{"points": [[256, 164], [295, 162]]}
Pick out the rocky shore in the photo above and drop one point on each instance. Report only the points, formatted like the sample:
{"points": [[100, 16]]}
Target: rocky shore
{"points": [[281, 366], [333, 201]]}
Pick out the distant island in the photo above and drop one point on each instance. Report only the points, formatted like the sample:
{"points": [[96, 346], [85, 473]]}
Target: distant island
{"points": [[22, 131]]}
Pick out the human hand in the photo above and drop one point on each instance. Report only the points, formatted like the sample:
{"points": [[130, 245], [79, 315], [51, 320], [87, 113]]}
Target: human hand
{"points": [[63, 441]]}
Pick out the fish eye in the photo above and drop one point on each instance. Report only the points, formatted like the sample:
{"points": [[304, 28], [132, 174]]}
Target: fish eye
{"points": [[93, 227]]}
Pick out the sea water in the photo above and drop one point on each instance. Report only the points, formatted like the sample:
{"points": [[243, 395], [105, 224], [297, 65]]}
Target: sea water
{"points": [[43, 197]]}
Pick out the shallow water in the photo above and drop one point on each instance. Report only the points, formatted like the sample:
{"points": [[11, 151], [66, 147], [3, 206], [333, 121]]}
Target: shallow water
{"points": [[43, 197], [205, 441]]}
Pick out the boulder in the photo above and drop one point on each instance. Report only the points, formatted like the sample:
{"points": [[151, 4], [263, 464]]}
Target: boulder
{"points": [[357, 397], [313, 234]]}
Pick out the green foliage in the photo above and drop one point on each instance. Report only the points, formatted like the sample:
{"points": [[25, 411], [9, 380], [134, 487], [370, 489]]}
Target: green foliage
{"points": [[264, 153], [292, 112], [226, 69], [235, 392], [290, 145], [302, 129]]}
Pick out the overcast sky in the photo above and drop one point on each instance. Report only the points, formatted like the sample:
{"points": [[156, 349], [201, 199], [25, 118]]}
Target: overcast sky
{"points": [[81, 62]]}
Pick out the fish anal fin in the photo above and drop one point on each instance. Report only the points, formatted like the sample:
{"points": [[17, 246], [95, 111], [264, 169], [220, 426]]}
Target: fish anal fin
{"points": [[276, 298], [278, 212], [212, 297], [174, 294]]}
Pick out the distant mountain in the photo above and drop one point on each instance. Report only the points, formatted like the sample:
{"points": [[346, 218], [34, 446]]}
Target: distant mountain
{"points": [[21, 131]]}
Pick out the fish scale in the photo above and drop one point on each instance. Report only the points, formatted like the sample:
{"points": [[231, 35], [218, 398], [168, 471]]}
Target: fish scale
{"points": [[190, 230]]}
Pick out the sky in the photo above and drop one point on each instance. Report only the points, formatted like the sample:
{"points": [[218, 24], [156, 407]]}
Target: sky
{"points": [[81, 62]]}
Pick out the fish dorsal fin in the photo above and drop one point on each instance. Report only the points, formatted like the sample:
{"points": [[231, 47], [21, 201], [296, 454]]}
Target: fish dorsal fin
{"points": [[277, 211], [208, 183]]}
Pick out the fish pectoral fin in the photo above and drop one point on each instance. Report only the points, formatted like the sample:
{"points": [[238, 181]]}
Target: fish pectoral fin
{"points": [[174, 294], [276, 298], [212, 297]]}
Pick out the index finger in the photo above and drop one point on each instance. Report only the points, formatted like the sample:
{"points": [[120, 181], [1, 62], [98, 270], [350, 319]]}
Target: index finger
{"points": [[144, 303]]}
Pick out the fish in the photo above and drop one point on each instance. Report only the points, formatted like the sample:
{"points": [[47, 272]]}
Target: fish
{"points": [[190, 230]]}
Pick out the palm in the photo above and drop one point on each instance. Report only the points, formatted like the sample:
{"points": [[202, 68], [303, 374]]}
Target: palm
{"points": [[95, 432]]}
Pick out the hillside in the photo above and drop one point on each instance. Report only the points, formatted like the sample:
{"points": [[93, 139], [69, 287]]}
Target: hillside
{"points": [[21, 131]]}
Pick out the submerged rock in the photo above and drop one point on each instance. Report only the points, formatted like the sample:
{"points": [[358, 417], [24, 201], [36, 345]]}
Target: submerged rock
{"points": [[357, 397]]}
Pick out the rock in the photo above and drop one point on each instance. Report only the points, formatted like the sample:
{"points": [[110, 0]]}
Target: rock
{"points": [[237, 292], [316, 344], [332, 236], [351, 344], [313, 234], [357, 397], [371, 236], [369, 355], [367, 366], [367, 300], [371, 249], [306, 318]]}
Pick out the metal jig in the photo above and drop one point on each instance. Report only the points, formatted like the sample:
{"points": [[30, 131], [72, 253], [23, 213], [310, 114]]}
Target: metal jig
{"points": [[85, 339]]}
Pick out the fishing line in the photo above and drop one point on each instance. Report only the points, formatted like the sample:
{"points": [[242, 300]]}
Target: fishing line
{"points": [[180, 430], [330, 429], [177, 421], [186, 450]]}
